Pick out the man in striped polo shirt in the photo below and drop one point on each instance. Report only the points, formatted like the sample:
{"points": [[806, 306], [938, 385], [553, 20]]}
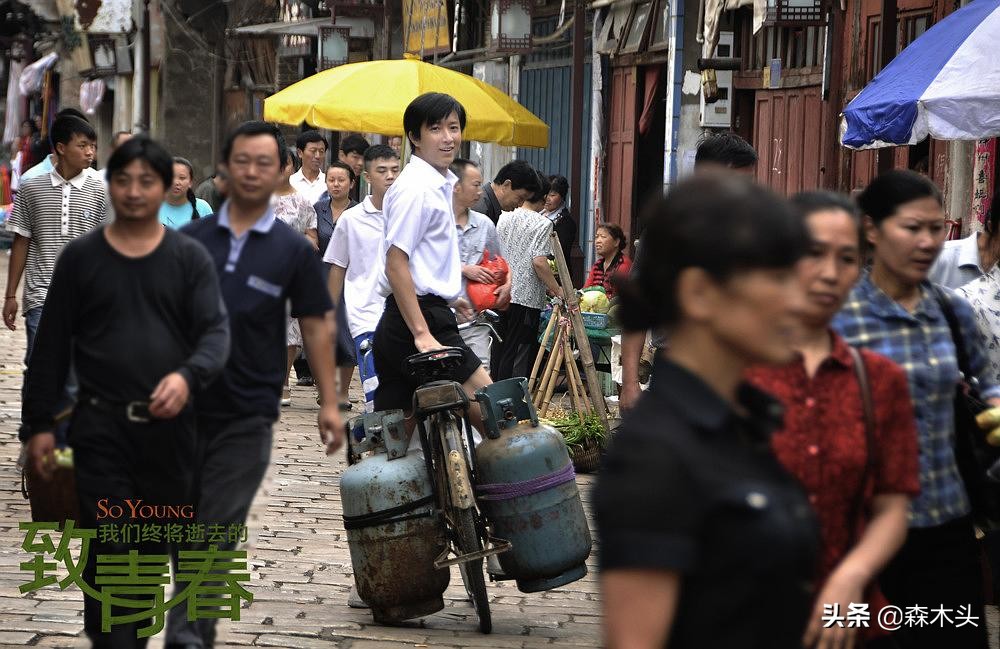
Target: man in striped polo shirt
{"points": [[51, 210]]}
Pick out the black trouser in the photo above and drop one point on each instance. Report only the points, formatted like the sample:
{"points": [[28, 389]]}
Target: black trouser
{"points": [[232, 458], [301, 366], [938, 566], [519, 330], [115, 460]]}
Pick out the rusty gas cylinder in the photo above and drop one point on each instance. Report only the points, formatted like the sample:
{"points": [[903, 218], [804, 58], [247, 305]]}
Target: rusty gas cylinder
{"points": [[393, 532]]}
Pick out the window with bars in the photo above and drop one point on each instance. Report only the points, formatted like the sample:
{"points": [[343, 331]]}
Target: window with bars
{"points": [[797, 47], [795, 12]]}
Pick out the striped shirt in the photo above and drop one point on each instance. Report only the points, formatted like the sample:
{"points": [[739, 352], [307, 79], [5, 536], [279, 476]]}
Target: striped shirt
{"points": [[620, 265], [921, 343], [51, 211]]}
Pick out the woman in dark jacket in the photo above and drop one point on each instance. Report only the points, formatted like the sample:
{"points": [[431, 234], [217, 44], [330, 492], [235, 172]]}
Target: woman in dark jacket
{"points": [[333, 202], [557, 211]]}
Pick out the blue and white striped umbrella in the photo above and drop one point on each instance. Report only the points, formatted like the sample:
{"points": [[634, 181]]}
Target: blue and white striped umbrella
{"points": [[946, 84]]}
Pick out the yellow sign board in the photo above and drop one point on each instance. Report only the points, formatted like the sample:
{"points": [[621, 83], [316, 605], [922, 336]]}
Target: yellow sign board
{"points": [[426, 27]]}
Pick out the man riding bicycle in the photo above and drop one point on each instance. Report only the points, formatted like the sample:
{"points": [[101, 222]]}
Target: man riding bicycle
{"points": [[422, 279]]}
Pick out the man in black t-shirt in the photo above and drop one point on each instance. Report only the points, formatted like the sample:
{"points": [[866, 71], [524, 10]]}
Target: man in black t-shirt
{"points": [[138, 308]]}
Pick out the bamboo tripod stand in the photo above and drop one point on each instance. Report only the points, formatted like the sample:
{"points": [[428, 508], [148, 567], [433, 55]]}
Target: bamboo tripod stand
{"points": [[585, 397]]}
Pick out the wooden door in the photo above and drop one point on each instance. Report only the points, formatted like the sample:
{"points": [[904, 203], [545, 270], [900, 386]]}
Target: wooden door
{"points": [[787, 138], [621, 149]]}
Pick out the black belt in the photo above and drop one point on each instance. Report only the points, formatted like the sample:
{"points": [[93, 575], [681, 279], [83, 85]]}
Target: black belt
{"points": [[428, 300], [136, 412]]}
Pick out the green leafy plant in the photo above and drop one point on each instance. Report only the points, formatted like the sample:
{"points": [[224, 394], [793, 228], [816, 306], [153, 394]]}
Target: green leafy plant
{"points": [[580, 434]]}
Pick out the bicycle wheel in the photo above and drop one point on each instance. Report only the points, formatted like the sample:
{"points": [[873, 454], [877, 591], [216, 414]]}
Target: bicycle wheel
{"points": [[475, 581], [466, 535]]}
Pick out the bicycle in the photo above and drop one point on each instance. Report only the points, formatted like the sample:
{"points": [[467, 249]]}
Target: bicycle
{"points": [[485, 318], [441, 408]]}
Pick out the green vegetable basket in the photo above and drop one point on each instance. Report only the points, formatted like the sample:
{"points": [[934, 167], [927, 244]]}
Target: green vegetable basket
{"points": [[586, 458]]}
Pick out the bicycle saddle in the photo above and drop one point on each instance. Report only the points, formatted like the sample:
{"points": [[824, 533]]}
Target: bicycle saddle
{"points": [[433, 365]]}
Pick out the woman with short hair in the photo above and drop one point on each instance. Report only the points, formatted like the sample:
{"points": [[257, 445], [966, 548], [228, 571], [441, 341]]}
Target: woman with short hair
{"points": [[557, 211]]}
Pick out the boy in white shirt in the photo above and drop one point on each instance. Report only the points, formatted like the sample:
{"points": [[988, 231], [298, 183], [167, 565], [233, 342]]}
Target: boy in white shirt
{"points": [[423, 270], [356, 264]]}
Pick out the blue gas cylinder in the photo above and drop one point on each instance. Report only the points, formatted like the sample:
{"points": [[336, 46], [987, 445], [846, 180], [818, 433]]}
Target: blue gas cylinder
{"points": [[526, 486], [392, 531]]}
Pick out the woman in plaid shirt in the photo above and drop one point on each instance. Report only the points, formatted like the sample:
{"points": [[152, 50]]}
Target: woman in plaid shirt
{"points": [[893, 311]]}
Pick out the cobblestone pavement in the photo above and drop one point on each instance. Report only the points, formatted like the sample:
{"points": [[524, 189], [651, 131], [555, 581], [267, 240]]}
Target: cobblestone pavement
{"points": [[301, 568]]}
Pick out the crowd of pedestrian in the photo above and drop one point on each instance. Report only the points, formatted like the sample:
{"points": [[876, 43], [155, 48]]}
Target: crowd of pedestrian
{"points": [[127, 264], [253, 258], [860, 363], [799, 433]]}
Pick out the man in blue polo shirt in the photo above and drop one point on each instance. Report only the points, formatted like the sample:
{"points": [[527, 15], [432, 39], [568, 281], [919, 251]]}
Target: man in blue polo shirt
{"points": [[262, 264]]}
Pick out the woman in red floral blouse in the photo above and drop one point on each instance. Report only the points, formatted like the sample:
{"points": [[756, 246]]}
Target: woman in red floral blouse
{"points": [[823, 441]]}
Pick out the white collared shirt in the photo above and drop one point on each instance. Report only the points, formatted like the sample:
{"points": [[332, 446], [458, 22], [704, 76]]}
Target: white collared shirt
{"points": [[983, 293], [420, 221], [52, 211], [312, 190], [959, 263], [355, 246]]}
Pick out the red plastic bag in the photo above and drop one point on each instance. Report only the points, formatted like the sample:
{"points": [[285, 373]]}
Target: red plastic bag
{"points": [[482, 295]]}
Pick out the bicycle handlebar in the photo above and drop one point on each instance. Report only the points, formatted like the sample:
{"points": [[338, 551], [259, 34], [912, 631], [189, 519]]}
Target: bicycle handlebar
{"points": [[485, 318]]}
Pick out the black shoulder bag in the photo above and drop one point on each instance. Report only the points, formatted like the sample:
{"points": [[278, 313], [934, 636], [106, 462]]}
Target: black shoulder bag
{"points": [[973, 455], [859, 513]]}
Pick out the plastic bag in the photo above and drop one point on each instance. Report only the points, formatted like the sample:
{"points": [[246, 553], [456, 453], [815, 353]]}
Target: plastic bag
{"points": [[482, 295], [91, 94], [33, 75]]}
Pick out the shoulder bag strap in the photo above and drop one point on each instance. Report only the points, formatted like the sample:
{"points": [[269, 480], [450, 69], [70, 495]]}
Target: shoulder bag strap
{"points": [[956, 330], [870, 443]]}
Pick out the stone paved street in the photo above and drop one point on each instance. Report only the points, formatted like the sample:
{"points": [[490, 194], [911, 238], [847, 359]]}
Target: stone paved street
{"points": [[301, 568]]}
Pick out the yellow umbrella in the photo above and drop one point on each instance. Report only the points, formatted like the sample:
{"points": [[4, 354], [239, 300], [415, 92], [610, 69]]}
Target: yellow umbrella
{"points": [[370, 97]]}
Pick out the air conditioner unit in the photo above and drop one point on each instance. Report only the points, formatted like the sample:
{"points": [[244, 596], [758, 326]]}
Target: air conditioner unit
{"points": [[720, 113]]}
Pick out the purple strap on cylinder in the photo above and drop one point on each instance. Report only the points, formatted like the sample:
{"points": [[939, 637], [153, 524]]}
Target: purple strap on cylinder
{"points": [[509, 490]]}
